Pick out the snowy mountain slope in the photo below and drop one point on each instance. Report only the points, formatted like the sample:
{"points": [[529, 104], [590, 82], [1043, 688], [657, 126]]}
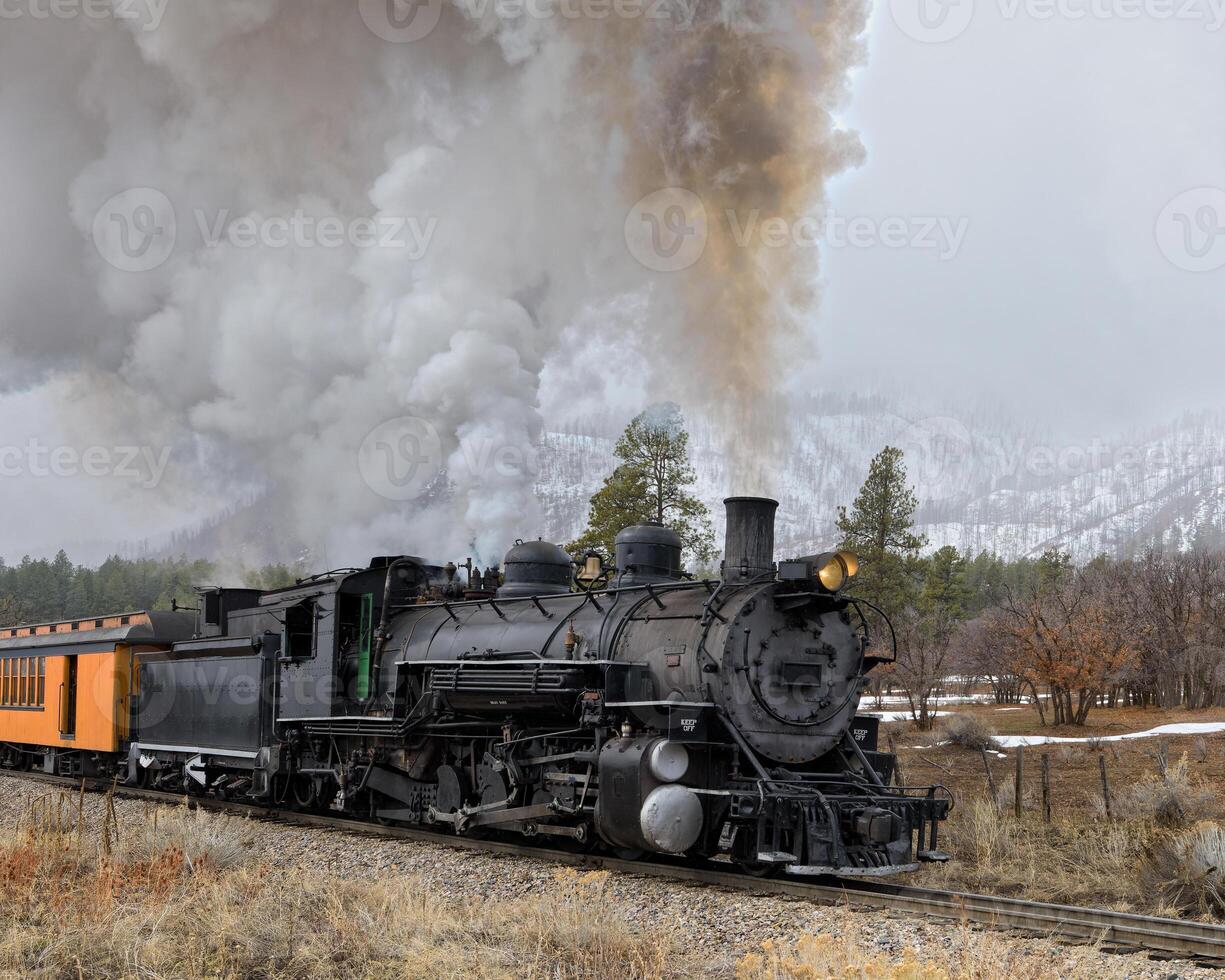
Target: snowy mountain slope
{"points": [[983, 484]]}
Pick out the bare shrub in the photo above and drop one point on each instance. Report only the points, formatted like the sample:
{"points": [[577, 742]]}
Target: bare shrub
{"points": [[1007, 795], [201, 837], [1170, 799], [1067, 753], [1187, 870], [984, 834], [970, 732]]}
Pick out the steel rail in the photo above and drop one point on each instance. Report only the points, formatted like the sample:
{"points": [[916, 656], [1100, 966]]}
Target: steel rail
{"points": [[1113, 931]]}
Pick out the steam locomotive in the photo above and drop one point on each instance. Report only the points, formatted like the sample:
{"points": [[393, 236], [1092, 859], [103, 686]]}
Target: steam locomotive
{"points": [[627, 707]]}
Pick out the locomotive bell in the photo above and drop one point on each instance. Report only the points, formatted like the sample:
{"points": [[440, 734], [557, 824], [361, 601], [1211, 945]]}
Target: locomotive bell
{"points": [[535, 568], [648, 552]]}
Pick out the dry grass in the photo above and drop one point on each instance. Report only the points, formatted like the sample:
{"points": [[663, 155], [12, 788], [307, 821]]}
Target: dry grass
{"points": [[180, 895], [1171, 799], [1187, 870], [969, 732], [180, 900], [1077, 862], [1079, 857], [971, 956]]}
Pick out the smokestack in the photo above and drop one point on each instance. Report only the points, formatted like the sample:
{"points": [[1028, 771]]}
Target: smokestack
{"points": [[749, 546]]}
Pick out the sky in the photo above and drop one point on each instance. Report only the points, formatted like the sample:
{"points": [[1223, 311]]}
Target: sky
{"points": [[1059, 142], [1037, 224]]}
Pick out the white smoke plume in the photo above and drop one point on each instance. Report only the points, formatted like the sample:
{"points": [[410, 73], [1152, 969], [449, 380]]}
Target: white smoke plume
{"points": [[478, 184]]}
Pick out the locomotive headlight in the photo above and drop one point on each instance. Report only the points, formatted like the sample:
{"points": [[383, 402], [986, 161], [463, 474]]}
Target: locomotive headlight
{"points": [[851, 561], [832, 572]]}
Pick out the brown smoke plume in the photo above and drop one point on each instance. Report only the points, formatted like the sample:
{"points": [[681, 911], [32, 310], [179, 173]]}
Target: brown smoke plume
{"points": [[737, 110]]}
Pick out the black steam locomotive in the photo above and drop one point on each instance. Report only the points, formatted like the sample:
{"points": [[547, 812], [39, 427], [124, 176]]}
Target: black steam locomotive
{"points": [[628, 708]]}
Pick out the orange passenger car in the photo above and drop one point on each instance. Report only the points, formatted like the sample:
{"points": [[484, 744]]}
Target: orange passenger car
{"points": [[67, 689]]}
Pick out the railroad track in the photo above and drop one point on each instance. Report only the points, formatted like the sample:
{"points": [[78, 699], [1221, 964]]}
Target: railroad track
{"points": [[1114, 931]]}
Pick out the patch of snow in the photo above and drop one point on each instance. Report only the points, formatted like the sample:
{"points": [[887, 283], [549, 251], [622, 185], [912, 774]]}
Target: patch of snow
{"points": [[1184, 728], [886, 716]]}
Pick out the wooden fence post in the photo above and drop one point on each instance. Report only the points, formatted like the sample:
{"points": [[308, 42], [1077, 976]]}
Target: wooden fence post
{"points": [[1046, 787], [1016, 801], [897, 762], [1101, 762], [995, 796]]}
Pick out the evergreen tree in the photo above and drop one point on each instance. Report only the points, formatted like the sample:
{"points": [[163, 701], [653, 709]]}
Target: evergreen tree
{"points": [[13, 612], [651, 484], [985, 578], [879, 528], [945, 592]]}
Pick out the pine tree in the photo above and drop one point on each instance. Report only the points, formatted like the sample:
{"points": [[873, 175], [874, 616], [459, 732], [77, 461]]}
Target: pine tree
{"points": [[651, 484], [879, 528], [13, 612], [945, 591]]}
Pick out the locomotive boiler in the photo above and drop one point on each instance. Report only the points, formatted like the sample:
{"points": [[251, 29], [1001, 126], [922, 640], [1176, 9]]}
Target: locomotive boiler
{"points": [[627, 707]]}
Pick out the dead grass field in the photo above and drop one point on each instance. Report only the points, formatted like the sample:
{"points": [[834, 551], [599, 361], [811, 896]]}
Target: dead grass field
{"points": [[178, 897], [1079, 856]]}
